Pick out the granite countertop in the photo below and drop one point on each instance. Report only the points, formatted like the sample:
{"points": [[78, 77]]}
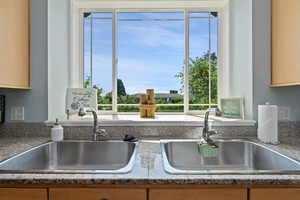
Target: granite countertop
{"points": [[148, 169]]}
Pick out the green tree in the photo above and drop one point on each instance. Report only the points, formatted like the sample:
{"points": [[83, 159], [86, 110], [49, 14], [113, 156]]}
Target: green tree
{"points": [[176, 101], [107, 99], [121, 88], [121, 91], [123, 97], [87, 84], [199, 79]]}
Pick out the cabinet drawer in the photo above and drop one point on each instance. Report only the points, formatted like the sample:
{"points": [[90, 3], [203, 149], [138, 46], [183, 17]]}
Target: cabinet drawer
{"points": [[198, 194], [275, 194], [97, 194], [23, 193]]}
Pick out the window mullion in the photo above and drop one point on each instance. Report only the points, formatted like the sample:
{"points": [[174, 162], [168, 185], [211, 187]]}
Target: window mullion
{"points": [[91, 54], [209, 59], [186, 62], [114, 63]]}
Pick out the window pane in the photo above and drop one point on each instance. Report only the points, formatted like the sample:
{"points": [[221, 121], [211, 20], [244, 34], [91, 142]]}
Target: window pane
{"points": [[150, 54], [98, 56], [198, 15], [202, 61], [87, 49]]}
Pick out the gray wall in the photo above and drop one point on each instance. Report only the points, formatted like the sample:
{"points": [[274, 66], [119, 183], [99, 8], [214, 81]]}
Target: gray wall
{"points": [[281, 96], [34, 100]]}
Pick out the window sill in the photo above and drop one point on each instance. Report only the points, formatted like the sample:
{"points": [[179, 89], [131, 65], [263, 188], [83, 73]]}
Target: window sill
{"points": [[159, 120]]}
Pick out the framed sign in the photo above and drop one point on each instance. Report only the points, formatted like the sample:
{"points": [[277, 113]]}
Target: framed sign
{"points": [[232, 107], [80, 97]]}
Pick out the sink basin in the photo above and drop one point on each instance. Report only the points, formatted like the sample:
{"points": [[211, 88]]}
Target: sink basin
{"points": [[74, 157], [234, 157]]}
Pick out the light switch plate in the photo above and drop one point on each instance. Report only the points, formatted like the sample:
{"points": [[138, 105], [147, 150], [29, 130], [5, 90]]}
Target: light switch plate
{"points": [[17, 113]]}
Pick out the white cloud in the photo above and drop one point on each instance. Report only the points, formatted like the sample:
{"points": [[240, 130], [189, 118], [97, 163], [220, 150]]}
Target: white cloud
{"points": [[149, 34]]}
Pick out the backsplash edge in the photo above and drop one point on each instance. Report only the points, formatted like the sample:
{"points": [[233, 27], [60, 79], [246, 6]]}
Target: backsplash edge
{"points": [[39, 129]]}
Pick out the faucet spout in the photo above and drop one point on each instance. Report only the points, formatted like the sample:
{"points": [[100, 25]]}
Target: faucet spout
{"points": [[96, 131]]}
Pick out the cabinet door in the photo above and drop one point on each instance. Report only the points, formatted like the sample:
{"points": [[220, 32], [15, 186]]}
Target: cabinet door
{"points": [[14, 44], [97, 194], [23, 193], [198, 194], [275, 194], [285, 45]]}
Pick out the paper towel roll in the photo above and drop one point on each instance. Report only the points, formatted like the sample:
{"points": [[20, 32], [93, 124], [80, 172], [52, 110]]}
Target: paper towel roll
{"points": [[268, 123]]}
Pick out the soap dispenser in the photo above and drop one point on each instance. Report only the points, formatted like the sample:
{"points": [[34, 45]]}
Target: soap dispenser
{"points": [[57, 132]]}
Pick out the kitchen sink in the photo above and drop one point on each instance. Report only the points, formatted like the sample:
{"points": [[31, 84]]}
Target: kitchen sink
{"points": [[233, 157], [74, 157]]}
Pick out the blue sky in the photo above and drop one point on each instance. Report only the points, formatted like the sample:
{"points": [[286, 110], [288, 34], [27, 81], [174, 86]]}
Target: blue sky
{"points": [[150, 53]]}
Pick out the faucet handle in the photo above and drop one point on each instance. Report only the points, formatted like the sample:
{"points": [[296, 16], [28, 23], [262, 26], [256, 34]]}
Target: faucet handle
{"points": [[102, 132], [97, 136], [207, 134], [212, 132]]}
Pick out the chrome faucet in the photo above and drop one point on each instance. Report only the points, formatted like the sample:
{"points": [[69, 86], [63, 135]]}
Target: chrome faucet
{"points": [[97, 133], [206, 133]]}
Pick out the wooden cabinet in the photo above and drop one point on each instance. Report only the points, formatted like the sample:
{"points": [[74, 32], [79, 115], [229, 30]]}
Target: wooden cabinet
{"points": [[23, 193], [97, 194], [285, 42], [162, 192], [14, 44], [275, 194], [198, 194]]}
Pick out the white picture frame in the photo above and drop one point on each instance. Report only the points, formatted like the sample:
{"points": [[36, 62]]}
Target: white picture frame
{"points": [[80, 97]]}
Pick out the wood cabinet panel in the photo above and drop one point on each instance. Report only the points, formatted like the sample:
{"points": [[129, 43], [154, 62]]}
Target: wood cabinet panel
{"points": [[14, 43], [97, 194], [275, 194], [198, 194], [285, 42], [23, 193]]}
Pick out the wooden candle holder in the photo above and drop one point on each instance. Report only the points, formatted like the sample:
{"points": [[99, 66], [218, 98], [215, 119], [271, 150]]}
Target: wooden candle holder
{"points": [[147, 104]]}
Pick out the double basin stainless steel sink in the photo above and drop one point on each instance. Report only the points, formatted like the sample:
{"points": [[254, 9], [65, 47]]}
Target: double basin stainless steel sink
{"points": [[179, 157], [74, 157], [234, 157]]}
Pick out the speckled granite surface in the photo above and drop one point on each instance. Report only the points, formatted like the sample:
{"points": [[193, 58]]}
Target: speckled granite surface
{"points": [[148, 170]]}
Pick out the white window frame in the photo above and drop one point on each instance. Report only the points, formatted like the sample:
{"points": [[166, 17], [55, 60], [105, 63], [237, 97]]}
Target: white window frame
{"points": [[77, 7]]}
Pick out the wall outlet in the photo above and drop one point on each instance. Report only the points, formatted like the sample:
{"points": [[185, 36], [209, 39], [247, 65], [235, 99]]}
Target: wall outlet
{"points": [[284, 113], [17, 113]]}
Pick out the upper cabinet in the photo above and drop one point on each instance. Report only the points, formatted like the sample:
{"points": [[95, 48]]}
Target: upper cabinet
{"points": [[285, 42], [15, 44]]}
